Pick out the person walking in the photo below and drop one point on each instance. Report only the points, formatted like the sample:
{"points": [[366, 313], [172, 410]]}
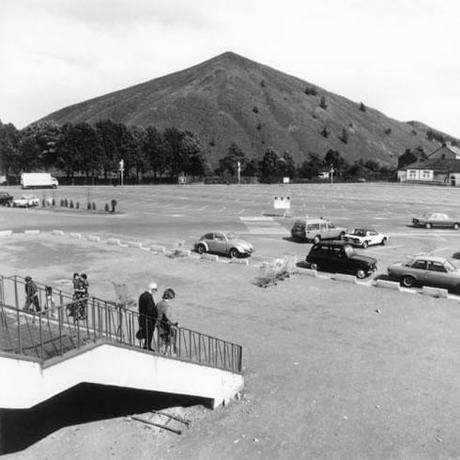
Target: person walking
{"points": [[147, 316], [83, 305], [31, 295], [166, 324]]}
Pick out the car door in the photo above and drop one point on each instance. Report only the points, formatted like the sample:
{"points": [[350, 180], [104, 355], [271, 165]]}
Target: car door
{"points": [[417, 270], [438, 275], [220, 243]]}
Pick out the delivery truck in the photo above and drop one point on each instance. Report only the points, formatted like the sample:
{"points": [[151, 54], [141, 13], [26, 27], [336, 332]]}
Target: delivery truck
{"points": [[38, 180]]}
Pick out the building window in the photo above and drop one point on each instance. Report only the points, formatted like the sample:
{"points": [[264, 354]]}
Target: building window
{"points": [[412, 174], [426, 175]]}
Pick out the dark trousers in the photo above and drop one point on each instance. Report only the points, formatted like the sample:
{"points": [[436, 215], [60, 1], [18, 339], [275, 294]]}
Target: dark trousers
{"points": [[149, 329], [32, 300]]}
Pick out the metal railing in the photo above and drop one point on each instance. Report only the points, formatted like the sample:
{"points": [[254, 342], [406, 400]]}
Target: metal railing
{"points": [[54, 332]]}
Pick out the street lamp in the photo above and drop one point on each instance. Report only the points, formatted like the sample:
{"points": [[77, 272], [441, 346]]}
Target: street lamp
{"points": [[122, 168]]}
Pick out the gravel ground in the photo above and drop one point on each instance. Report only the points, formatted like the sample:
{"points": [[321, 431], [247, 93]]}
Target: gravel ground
{"points": [[332, 370]]}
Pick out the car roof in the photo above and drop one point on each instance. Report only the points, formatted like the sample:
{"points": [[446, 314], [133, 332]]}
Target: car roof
{"points": [[312, 220], [335, 243], [364, 229], [429, 257]]}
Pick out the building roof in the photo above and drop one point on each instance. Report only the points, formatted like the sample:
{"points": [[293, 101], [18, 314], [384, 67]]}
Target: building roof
{"points": [[436, 164]]}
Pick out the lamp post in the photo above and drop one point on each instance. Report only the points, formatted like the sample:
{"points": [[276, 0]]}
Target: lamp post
{"points": [[238, 171], [122, 168]]}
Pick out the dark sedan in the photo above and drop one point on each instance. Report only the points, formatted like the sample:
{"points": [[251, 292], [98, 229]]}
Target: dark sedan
{"points": [[436, 219]]}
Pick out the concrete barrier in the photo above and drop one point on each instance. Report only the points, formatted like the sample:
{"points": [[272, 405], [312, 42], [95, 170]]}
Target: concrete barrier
{"points": [[387, 284], [213, 257], [75, 235], [133, 244], [94, 238], [6, 232], [238, 261], [182, 252], [57, 232], [31, 232], [344, 278], [156, 248], [435, 292], [113, 241], [309, 272]]}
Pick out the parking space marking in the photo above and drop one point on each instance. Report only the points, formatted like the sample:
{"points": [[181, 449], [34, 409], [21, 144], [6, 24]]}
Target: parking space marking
{"points": [[263, 225]]}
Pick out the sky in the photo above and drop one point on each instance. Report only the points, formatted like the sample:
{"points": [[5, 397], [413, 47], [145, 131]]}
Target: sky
{"points": [[401, 57]]}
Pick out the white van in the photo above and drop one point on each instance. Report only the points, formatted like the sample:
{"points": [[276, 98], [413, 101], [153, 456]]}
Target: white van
{"points": [[38, 180]]}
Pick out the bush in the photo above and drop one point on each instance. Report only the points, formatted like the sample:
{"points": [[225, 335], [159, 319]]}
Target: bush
{"points": [[362, 107], [325, 132], [66, 203], [106, 207], [62, 203], [114, 204], [259, 126], [255, 109], [53, 202], [43, 202], [344, 136], [71, 204], [309, 91], [88, 206], [94, 206], [388, 131], [77, 205], [262, 83]]}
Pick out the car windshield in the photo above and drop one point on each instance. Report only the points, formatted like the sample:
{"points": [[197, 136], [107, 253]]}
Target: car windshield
{"points": [[230, 235], [449, 266], [359, 232]]}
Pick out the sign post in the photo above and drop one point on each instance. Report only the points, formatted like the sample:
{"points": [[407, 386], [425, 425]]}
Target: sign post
{"points": [[238, 171], [331, 174], [282, 202], [122, 168]]}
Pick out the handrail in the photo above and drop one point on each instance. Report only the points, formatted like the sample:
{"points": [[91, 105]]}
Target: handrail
{"points": [[54, 332]]}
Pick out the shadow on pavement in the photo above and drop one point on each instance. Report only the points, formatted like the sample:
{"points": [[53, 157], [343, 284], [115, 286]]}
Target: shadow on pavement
{"points": [[83, 403]]}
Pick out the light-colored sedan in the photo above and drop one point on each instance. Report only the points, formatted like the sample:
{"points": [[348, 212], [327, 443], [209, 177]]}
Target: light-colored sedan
{"points": [[426, 270], [26, 201], [223, 243], [436, 219], [364, 237]]}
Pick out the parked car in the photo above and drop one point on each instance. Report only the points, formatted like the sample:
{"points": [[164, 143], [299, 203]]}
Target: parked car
{"points": [[26, 201], [316, 230], [436, 219], [5, 199], [364, 237], [421, 270], [340, 257], [223, 243]]}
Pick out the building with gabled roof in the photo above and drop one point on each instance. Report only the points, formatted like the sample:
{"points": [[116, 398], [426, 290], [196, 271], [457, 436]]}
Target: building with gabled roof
{"points": [[440, 167]]}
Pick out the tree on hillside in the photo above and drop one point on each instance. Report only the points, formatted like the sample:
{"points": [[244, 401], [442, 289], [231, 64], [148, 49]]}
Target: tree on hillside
{"points": [[311, 167], [153, 151], [323, 103], [110, 136], [344, 136], [335, 160]]}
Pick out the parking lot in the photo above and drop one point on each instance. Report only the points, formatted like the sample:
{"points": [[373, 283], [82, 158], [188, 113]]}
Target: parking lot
{"points": [[332, 369], [181, 214]]}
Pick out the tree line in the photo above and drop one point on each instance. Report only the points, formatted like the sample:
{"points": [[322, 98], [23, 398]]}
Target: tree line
{"points": [[150, 154]]}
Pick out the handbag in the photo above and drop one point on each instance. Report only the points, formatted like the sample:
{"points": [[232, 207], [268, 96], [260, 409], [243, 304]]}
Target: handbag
{"points": [[140, 334]]}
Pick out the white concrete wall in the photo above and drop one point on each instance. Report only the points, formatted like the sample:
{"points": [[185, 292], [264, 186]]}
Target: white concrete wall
{"points": [[24, 384]]}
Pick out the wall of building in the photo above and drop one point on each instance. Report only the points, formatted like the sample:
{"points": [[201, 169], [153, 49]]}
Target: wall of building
{"points": [[25, 383], [420, 174]]}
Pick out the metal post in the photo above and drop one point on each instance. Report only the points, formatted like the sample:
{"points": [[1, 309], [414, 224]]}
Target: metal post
{"points": [[41, 334], [16, 298], [18, 320]]}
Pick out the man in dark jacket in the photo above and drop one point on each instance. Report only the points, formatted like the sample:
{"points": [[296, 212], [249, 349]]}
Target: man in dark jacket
{"points": [[31, 295], [147, 315]]}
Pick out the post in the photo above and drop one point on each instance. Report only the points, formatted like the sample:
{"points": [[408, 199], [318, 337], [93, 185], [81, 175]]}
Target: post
{"points": [[122, 168], [238, 171], [331, 174]]}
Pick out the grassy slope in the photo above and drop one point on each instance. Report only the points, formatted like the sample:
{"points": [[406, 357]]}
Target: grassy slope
{"points": [[217, 100]]}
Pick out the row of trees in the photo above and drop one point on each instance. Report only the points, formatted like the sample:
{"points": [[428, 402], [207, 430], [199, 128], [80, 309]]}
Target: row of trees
{"points": [[95, 151]]}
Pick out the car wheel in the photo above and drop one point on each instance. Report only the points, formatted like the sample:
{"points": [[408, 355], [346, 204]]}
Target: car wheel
{"points": [[316, 239], [408, 281], [365, 244], [428, 226], [383, 242], [201, 249], [455, 226], [234, 253], [360, 273]]}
